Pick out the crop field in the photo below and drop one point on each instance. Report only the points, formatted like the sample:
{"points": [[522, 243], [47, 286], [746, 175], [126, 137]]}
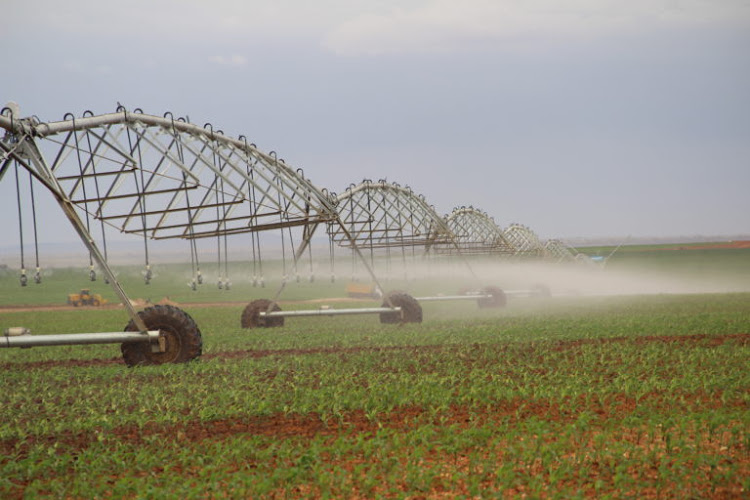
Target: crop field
{"points": [[569, 396]]}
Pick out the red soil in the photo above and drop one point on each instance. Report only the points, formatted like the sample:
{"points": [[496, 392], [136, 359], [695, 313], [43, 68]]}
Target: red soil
{"points": [[563, 345], [603, 409]]}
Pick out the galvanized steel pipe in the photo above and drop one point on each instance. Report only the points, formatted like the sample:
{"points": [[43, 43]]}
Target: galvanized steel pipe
{"points": [[329, 312], [78, 338], [453, 297]]}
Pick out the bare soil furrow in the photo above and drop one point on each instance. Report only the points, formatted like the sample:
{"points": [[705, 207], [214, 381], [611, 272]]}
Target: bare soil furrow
{"points": [[709, 340]]}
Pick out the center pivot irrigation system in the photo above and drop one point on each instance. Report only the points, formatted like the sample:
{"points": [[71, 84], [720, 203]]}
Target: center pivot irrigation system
{"points": [[160, 178]]}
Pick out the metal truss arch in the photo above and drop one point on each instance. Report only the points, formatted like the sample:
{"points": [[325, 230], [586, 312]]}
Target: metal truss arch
{"points": [[388, 215], [558, 251], [164, 177], [476, 233], [160, 178], [524, 240]]}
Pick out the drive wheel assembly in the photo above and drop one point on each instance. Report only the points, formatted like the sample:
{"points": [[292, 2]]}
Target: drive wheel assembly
{"points": [[182, 338], [251, 315], [411, 311], [496, 298]]}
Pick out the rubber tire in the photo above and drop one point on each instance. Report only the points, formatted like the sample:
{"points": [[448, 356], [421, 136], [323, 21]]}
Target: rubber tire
{"points": [[497, 299], [251, 315], [411, 310], [183, 338]]}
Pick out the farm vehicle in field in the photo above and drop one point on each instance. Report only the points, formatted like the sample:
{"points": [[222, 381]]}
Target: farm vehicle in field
{"points": [[86, 298], [362, 291]]}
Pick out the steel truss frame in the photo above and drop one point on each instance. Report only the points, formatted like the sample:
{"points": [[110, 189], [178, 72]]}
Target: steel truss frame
{"points": [[476, 233], [558, 251], [388, 215], [524, 240]]}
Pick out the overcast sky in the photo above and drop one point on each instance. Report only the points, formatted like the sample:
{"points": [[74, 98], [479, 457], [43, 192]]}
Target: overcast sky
{"points": [[576, 118]]}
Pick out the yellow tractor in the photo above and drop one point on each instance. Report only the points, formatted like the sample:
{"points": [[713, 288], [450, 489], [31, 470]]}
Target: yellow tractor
{"points": [[362, 291], [86, 298]]}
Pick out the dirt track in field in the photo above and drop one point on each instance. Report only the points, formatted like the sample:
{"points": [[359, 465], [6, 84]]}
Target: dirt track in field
{"points": [[31, 308], [141, 304], [562, 345], [306, 426]]}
